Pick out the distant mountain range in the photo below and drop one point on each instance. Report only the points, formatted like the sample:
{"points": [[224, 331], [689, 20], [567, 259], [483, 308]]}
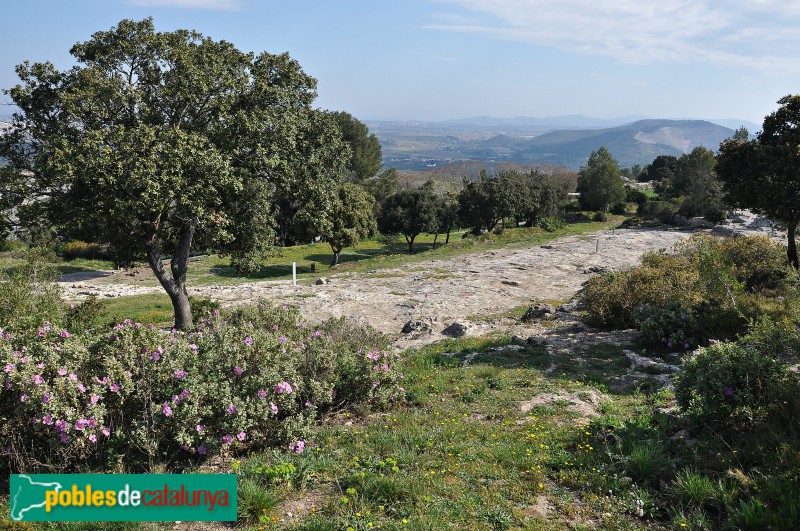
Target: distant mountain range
{"points": [[562, 140]]}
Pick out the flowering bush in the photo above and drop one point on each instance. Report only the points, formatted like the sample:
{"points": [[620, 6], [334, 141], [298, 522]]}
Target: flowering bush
{"points": [[252, 376], [734, 386], [669, 327]]}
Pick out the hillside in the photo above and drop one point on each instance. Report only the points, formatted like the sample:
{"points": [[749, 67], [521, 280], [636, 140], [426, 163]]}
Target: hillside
{"points": [[422, 145]]}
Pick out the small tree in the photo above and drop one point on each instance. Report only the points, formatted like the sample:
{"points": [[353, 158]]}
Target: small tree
{"points": [[351, 219], [408, 212], [478, 206], [600, 183], [446, 215], [764, 174]]}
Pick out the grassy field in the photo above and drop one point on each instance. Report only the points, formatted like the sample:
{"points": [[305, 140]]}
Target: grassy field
{"points": [[366, 256]]}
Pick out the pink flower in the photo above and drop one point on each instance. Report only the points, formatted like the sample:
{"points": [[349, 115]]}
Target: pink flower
{"points": [[46, 398], [37, 379], [93, 437], [9, 367], [81, 388], [166, 409], [94, 399], [47, 419], [23, 398], [274, 327], [283, 387], [274, 408], [114, 388], [238, 371], [106, 432], [180, 374], [201, 450], [262, 394], [81, 424], [64, 333], [298, 447], [40, 365], [227, 439], [241, 436], [64, 437], [248, 341], [62, 372], [282, 339], [308, 403], [193, 347], [73, 377], [200, 428], [185, 394], [231, 409]]}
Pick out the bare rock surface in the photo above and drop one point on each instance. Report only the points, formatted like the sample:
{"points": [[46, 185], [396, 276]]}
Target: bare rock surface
{"points": [[473, 287]]}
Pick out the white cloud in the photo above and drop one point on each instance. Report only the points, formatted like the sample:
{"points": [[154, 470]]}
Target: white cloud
{"points": [[219, 5], [758, 34]]}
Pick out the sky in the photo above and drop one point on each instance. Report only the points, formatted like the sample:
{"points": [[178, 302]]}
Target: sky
{"points": [[432, 60]]}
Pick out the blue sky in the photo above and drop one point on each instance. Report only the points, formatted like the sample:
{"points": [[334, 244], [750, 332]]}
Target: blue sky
{"points": [[440, 59]]}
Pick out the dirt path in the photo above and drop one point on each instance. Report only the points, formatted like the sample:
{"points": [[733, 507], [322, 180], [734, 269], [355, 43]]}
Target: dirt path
{"points": [[469, 288]]}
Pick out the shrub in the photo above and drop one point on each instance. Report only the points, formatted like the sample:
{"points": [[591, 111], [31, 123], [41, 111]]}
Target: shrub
{"points": [[619, 209], [28, 296], [81, 249], [733, 386], [551, 224], [611, 298], [662, 211], [250, 376], [203, 308], [632, 195], [669, 327]]}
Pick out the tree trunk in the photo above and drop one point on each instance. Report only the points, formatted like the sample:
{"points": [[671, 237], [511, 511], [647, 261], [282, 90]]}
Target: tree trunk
{"points": [[791, 250], [175, 285], [435, 237], [410, 241], [335, 261], [447, 240]]}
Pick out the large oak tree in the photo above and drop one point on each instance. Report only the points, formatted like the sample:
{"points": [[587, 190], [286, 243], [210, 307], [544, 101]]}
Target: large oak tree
{"points": [[161, 142]]}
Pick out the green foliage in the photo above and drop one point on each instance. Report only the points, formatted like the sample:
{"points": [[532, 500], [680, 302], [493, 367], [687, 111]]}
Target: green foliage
{"points": [[351, 219], [477, 205], [734, 386], [79, 249], [84, 316], [551, 224], [213, 147], [365, 160], [255, 375], [718, 281], [409, 212], [612, 298], [600, 182], [663, 211], [669, 327], [203, 308], [632, 195], [27, 294], [764, 174]]}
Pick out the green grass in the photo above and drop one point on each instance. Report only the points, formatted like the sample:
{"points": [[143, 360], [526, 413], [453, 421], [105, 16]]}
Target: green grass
{"points": [[153, 308]]}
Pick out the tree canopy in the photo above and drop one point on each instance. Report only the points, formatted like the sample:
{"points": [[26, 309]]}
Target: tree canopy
{"points": [[410, 213], [764, 174], [352, 219], [365, 159], [161, 142]]}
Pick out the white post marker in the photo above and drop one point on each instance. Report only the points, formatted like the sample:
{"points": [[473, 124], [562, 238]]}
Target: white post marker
{"points": [[294, 273], [597, 246]]}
